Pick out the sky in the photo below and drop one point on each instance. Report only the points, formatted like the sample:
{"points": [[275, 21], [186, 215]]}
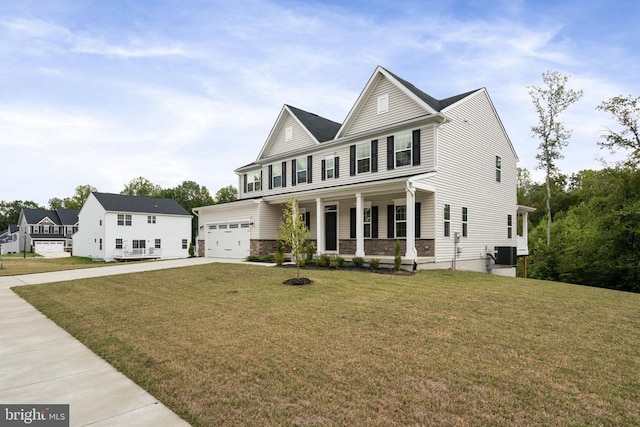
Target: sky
{"points": [[101, 92]]}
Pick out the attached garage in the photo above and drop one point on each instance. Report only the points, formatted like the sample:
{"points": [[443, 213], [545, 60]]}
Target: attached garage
{"points": [[228, 240], [48, 246]]}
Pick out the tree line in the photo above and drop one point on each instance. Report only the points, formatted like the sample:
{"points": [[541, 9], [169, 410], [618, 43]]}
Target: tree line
{"points": [[188, 194], [587, 226]]}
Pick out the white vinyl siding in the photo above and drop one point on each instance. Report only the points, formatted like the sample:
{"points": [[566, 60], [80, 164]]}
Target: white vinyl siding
{"points": [[401, 107], [300, 138]]}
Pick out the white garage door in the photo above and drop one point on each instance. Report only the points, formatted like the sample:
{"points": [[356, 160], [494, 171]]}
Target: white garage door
{"points": [[40, 247], [228, 240]]}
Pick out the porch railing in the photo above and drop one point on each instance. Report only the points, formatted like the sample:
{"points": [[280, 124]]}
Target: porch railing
{"points": [[137, 253]]}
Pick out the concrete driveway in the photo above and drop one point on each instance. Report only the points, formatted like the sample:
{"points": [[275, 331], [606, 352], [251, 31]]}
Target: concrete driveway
{"points": [[40, 363]]}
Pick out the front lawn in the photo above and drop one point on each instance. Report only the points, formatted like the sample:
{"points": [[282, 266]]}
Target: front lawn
{"points": [[15, 264], [228, 344]]}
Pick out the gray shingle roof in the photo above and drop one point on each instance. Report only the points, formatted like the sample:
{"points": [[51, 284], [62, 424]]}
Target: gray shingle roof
{"points": [[34, 216], [68, 216], [322, 129], [153, 205], [434, 103]]}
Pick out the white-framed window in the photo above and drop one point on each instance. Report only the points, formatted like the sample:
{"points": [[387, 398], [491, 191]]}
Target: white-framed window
{"points": [[509, 226], [465, 222], [253, 181], [288, 133], [100, 243], [447, 220], [330, 167], [367, 222], [363, 157], [401, 221], [301, 170], [498, 169], [139, 244], [124, 219], [157, 243], [383, 103], [185, 245], [118, 243], [402, 148], [151, 219], [276, 175]]}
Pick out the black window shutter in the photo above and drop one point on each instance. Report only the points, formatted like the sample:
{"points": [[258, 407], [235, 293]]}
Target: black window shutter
{"points": [[416, 147], [293, 172], [245, 182], [352, 160], [352, 223], [261, 181], [391, 221], [336, 167], [284, 174], [307, 219], [270, 177], [374, 222], [309, 169], [418, 219], [374, 155], [324, 169], [390, 153]]}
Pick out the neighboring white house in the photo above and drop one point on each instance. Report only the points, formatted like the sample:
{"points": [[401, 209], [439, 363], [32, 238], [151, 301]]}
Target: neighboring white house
{"points": [[9, 240], [438, 176], [44, 230], [122, 227]]}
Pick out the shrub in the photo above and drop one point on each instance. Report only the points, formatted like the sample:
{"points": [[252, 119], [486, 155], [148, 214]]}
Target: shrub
{"points": [[310, 250], [374, 263], [323, 260], [192, 250], [279, 257], [358, 261], [337, 262], [397, 260]]}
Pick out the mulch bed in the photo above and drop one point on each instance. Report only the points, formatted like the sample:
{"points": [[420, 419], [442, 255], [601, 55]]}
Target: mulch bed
{"points": [[379, 270]]}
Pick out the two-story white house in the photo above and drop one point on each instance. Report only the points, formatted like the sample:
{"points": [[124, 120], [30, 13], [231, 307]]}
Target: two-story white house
{"points": [[122, 227], [438, 176]]}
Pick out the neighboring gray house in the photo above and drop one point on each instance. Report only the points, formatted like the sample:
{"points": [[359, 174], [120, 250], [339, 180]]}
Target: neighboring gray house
{"points": [[122, 227], [436, 175], [47, 230]]}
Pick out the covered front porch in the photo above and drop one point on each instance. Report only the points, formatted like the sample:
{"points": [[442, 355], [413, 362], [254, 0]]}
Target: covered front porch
{"points": [[367, 220]]}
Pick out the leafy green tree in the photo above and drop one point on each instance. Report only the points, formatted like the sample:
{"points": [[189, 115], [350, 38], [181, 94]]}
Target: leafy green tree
{"points": [[626, 111], [294, 233], [74, 202], [10, 211], [549, 102], [56, 203], [142, 187], [190, 195], [227, 194]]}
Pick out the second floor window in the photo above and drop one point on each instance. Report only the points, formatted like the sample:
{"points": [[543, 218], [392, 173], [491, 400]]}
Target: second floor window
{"points": [[151, 219], [301, 170], [402, 149], [124, 219], [329, 167], [498, 169], [276, 177], [363, 157], [254, 181]]}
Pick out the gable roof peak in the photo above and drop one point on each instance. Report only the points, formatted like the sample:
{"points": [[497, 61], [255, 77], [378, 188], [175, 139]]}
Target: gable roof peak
{"points": [[321, 128]]}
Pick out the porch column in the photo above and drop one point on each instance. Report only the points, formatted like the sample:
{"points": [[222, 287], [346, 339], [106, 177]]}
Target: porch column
{"points": [[412, 253], [359, 226], [319, 226]]}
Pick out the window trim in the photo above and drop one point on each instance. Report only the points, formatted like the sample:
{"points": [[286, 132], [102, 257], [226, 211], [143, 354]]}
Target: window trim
{"points": [[124, 220], [185, 244], [119, 243], [366, 144], [498, 169], [447, 220], [331, 159], [157, 244], [509, 226], [254, 184], [397, 221], [465, 222], [301, 170], [151, 219], [274, 175], [409, 137]]}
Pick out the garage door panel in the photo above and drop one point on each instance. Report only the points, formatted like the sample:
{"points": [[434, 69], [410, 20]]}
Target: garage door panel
{"points": [[228, 241], [48, 247]]}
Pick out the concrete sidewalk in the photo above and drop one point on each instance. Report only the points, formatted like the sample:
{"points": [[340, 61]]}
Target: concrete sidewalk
{"points": [[40, 363]]}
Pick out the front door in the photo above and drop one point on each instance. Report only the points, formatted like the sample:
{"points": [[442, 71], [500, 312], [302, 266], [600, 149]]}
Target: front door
{"points": [[331, 228]]}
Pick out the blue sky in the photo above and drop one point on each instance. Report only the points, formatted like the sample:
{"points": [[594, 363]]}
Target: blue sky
{"points": [[101, 92]]}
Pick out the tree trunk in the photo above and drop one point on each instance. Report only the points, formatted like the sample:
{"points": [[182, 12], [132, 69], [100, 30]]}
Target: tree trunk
{"points": [[548, 211]]}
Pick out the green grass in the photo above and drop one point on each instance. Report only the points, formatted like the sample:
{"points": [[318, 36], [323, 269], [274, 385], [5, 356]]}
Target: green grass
{"points": [[15, 264], [230, 345]]}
